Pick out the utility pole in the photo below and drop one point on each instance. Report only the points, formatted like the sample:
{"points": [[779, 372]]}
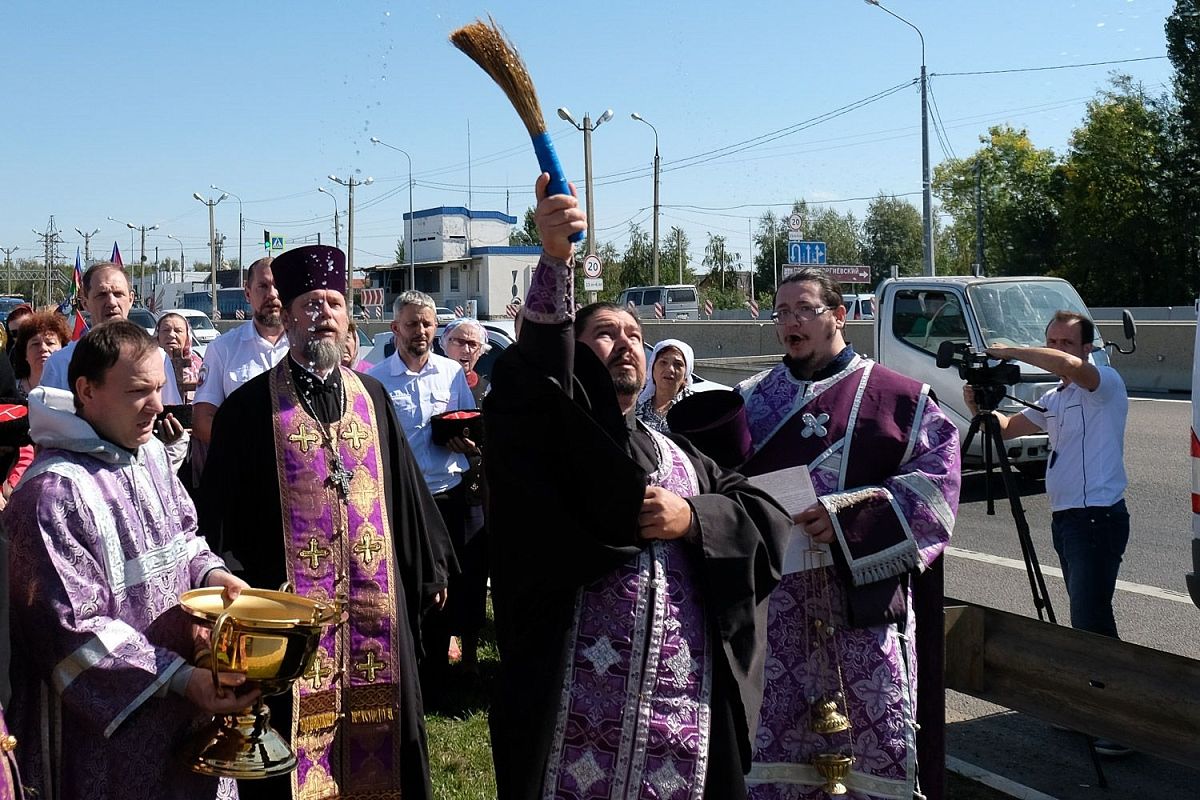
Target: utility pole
{"points": [[979, 266], [50, 242], [587, 127], [408, 248], [212, 246], [8, 267], [350, 183], [241, 226], [87, 244], [679, 250], [640, 118]]}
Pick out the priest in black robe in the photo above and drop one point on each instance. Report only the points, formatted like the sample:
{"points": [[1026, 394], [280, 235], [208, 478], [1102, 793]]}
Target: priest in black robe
{"points": [[630, 572], [310, 480]]}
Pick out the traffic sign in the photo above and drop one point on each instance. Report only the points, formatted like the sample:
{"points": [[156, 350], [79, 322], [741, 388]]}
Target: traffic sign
{"points": [[276, 242], [708, 308], [842, 273], [592, 267], [593, 284], [794, 222], [812, 253]]}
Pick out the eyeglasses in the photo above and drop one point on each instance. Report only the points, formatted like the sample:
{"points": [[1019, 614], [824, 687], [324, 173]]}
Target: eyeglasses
{"points": [[465, 344], [799, 314]]}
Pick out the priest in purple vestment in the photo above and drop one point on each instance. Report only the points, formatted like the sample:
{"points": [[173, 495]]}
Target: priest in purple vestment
{"points": [[630, 573], [103, 541], [861, 593]]}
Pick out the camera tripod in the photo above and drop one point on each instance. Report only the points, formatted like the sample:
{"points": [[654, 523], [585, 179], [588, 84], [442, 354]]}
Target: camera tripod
{"points": [[985, 421]]}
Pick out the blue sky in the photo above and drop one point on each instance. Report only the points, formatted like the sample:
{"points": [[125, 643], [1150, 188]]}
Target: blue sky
{"points": [[126, 109]]}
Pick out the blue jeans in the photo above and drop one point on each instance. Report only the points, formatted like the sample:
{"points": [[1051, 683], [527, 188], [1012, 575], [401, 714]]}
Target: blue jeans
{"points": [[1090, 543]]}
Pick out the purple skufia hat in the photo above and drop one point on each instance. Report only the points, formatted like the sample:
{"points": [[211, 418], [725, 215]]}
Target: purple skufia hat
{"points": [[304, 269], [715, 423]]}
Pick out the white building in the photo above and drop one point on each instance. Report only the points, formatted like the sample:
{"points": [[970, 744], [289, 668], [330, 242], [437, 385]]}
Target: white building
{"points": [[461, 255]]}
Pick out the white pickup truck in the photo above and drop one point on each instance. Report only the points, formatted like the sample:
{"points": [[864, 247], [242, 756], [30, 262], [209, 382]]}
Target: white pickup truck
{"points": [[915, 316]]}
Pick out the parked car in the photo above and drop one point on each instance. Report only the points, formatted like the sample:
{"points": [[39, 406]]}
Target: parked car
{"points": [[679, 301], [144, 317], [7, 303], [201, 325], [445, 315], [859, 306]]}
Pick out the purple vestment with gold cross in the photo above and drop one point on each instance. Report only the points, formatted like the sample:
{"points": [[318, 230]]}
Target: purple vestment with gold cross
{"points": [[884, 461], [345, 710]]}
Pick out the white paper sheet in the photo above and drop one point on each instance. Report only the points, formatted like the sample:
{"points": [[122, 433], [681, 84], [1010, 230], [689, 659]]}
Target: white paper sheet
{"points": [[793, 489]]}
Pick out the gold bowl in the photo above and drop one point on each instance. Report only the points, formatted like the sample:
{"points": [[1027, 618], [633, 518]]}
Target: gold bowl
{"points": [[271, 638], [833, 767]]}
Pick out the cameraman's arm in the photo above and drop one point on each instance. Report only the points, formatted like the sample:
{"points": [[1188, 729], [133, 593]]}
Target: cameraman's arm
{"points": [[1064, 365], [1010, 427]]}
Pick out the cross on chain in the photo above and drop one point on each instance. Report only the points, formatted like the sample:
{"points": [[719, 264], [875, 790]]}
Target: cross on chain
{"points": [[355, 435], [304, 437], [368, 546], [339, 476], [371, 666], [313, 553]]}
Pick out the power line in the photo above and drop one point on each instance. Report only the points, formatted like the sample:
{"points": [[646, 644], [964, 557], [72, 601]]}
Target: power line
{"points": [[1046, 69]]}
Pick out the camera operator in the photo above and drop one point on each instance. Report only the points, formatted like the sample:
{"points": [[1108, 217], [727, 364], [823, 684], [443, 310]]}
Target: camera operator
{"points": [[1085, 478]]}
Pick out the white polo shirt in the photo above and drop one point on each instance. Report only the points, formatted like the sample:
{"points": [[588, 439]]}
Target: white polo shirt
{"points": [[233, 358], [1087, 442], [440, 386], [54, 374]]}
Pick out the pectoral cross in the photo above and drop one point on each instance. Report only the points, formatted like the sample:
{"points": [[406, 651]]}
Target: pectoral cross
{"points": [[339, 476], [304, 437], [370, 667], [355, 435], [313, 553], [368, 546]]}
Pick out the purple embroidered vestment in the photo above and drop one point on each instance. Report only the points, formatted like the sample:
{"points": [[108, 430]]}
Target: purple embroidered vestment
{"points": [[884, 462]]}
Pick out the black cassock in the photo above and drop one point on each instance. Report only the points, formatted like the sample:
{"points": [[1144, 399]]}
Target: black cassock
{"points": [[567, 474], [240, 515]]}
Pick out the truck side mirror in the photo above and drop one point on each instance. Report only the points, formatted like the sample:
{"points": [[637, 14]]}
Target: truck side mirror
{"points": [[1130, 333]]}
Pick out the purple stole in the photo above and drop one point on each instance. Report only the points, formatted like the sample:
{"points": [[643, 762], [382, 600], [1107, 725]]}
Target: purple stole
{"points": [[345, 710], [862, 403], [634, 719]]}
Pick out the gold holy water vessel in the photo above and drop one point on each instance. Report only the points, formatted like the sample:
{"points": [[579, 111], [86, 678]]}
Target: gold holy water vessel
{"points": [[271, 638]]}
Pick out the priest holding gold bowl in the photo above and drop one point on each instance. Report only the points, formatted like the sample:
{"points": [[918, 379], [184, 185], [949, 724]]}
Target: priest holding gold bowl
{"points": [[103, 541]]}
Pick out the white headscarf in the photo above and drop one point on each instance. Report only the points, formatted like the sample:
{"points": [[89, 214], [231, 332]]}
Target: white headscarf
{"points": [[689, 360]]}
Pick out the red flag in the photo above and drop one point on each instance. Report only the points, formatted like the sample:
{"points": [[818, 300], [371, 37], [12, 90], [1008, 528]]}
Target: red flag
{"points": [[116, 256], [80, 327]]}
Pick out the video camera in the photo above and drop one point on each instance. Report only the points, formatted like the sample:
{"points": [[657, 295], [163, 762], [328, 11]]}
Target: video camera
{"points": [[990, 383]]}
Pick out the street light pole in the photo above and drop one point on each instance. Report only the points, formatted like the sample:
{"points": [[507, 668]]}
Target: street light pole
{"points": [[587, 127], [337, 228], [8, 251], [87, 243], [176, 238], [408, 247], [350, 183], [926, 182], [640, 118], [212, 247], [142, 263], [241, 225]]}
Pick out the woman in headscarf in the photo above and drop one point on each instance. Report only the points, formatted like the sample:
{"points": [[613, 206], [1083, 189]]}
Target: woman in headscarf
{"points": [[174, 335], [669, 381]]}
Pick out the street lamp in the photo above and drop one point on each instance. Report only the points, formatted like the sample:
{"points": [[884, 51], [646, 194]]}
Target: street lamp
{"points": [[212, 246], [350, 183], [587, 127], [176, 238], [87, 243], [142, 263], [640, 118], [926, 183], [412, 270], [337, 233], [241, 224]]}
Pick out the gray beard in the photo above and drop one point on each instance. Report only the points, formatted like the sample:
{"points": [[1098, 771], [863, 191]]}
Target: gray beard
{"points": [[268, 319], [322, 355]]}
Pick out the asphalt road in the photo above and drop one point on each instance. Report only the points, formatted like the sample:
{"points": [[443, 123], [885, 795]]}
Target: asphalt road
{"points": [[1153, 611]]}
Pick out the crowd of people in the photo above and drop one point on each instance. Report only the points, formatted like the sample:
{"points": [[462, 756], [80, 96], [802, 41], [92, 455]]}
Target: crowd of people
{"points": [[677, 616]]}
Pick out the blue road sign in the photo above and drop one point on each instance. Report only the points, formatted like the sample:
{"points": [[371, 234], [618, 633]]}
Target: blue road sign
{"points": [[806, 253]]}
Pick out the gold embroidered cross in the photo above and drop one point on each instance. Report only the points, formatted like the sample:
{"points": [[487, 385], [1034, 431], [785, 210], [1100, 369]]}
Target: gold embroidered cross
{"points": [[304, 437], [371, 666], [316, 671], [355, 435], [313, 553], [368, 546]]}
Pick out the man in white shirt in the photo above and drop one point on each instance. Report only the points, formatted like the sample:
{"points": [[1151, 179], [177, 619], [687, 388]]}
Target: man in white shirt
{"points": [[106, 296], [238, 355], [1085, 479], [422, 384]]}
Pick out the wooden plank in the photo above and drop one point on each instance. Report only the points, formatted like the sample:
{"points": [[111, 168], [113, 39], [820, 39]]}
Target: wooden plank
{"points": [[1145, 698]]}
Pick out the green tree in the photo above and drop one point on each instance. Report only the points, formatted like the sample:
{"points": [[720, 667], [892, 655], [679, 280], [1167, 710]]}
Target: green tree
{"points": [[841, 233], [719, 261], [527, 235], [1114, 218], [770, 252], [673, 252], [400, 256], [1181, 168], [637, 262], [892, 236], [1020, 213]]}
